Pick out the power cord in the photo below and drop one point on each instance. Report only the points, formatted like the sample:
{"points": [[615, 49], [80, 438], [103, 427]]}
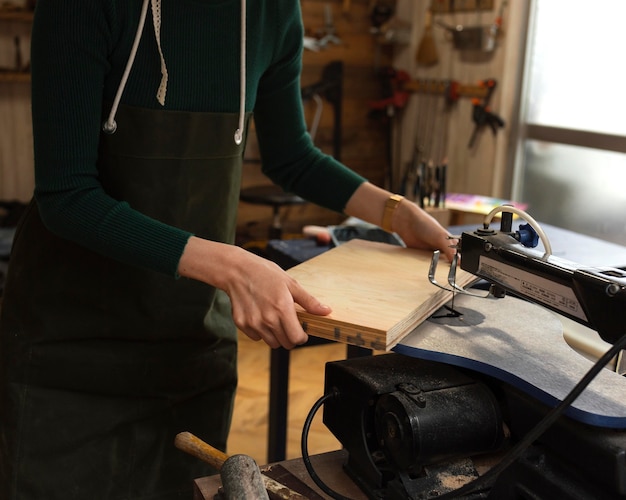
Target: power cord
{"points": [[516, 451], [305, 448], [485, 481]]}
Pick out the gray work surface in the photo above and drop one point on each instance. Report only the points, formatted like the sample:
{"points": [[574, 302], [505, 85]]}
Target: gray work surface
{"points": [[521, 344]]}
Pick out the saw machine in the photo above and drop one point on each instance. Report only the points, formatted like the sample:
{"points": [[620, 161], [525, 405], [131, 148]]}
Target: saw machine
{"points": [[486, 399]]}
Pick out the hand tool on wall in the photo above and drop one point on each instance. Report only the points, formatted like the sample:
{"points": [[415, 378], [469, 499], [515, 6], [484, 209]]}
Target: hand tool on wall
{"points": [[18, 54], [482, 115], [496, 26], [329, 34], [453, 90], [380, 13], [241, 477], [325, 36], [387, 109], [426, 54], [451, 96]]}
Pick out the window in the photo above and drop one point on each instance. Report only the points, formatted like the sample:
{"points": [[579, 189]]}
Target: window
{"points": [[572, 168]]}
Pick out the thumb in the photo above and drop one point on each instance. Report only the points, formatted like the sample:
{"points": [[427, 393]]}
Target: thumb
{"points": [[308, 302]]}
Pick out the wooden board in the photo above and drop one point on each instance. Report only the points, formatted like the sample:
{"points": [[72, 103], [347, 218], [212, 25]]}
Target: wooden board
{"points": [[378, 292]]}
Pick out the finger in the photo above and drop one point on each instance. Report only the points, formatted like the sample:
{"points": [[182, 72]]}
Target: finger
{"points": [[286, 327], [294, 334], [255, 330], [308, 302], [287, 337], [252, 335], [270, 339], [448, 253], [282, 329]]}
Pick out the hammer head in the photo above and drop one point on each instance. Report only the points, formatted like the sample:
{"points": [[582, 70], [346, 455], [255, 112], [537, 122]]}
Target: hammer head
{"points": [[241, 479]]}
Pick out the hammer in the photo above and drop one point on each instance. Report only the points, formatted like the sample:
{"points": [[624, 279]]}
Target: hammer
{"points": [[240, 474]]}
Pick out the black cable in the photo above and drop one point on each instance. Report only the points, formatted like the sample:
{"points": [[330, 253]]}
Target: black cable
{"points": [[482, 483], [305, 452], [516, 451]]}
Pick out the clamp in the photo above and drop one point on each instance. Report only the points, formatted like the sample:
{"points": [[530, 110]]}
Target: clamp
{"points": [[397, 96], [482, 115]]}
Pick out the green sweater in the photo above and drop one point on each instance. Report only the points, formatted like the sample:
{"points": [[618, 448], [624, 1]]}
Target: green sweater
{"points": [[79, 51]]}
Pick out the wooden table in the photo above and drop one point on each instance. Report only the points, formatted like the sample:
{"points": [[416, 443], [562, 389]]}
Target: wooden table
{"points": [[328, 466]]}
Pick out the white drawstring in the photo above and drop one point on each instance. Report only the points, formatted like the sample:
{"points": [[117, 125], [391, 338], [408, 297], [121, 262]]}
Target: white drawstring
{"points": [[242, 76], [110, 126], [156, 21]]}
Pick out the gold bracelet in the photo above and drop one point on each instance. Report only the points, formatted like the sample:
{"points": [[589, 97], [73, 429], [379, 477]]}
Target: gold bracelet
{"points": [[390, 206]]}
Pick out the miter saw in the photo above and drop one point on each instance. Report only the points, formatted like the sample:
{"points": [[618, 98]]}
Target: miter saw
{"points": [[463, 409]]}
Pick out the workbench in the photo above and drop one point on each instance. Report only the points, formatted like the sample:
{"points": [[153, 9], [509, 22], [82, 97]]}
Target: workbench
{"points": [[566, 244], [569, 245], [329, 467]]}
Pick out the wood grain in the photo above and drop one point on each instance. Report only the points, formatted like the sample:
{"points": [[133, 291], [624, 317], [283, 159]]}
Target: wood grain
{"points": [[378, 292]]}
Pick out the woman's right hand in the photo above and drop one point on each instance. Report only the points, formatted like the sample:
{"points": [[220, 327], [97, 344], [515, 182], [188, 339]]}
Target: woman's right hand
{"points": [[262, 294]]}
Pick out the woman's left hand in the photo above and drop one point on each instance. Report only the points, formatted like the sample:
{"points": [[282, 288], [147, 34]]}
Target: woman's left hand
{"points": [[414, 225], [418, 229]]}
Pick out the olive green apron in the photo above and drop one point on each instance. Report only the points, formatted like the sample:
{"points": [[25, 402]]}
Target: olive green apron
{"points": [[104, 363]]}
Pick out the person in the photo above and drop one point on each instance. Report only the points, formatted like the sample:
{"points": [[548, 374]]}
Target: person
{"points": [[125, 290]]}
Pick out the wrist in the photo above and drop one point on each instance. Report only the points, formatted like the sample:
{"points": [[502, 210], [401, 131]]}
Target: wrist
{"points": [[207, 261]]}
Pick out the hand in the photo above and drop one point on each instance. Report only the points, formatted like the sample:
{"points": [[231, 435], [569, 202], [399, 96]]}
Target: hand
{"points": [[263, 299], [414, 225], [418, 229], [261, 293]]}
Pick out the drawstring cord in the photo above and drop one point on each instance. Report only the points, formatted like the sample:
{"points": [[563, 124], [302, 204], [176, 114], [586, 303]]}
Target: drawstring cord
{"points": [[156, 21], [110, 126], [242, 73]]}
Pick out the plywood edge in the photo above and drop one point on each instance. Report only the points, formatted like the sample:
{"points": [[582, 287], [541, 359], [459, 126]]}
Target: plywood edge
{"points": [[354, 260], [343, 332]]}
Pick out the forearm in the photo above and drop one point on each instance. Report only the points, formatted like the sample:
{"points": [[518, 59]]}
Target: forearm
{"points": [[211, 262], [415, 226], [368, 203]]}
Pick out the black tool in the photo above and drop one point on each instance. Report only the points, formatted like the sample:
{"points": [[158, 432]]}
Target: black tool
{"points": [[482, 115]]}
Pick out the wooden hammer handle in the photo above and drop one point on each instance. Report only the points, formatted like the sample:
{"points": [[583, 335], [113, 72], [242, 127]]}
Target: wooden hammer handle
{"points": [[193, 445]]}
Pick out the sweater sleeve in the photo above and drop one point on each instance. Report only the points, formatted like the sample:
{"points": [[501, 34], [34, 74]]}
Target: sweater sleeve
{"points": [[288, 154], [71, 42]]}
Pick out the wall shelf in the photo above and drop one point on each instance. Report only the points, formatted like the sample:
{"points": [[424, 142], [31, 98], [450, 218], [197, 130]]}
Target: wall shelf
{"points": [[14, 77], [22, 15]]}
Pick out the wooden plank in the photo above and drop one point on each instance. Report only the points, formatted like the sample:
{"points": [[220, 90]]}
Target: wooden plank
{"points": [[378, 292]]}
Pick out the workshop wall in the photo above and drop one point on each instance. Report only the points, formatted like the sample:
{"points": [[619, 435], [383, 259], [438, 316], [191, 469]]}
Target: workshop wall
{"points": [[428, 120], [342, 30], [366, 145], [363, 141]]}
